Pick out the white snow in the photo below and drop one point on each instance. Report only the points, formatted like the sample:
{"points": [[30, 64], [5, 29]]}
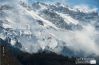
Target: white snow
{"points": [[68, 19], [23, 22], [36, 16], [85, 8], [2, 36], [13, 42]]}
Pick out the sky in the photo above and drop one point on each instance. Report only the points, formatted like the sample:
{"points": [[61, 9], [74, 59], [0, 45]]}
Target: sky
{"points": [[92, 3]]}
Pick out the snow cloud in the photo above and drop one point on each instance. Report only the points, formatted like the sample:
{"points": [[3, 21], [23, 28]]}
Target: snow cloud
{"points": [[85, 8]]}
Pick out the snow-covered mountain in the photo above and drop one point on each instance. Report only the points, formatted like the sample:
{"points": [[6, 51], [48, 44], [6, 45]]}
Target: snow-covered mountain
{"points": [[53, 27]]}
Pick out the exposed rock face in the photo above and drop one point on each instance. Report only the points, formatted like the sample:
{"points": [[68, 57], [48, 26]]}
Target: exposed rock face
{"points": [[6, 55]]}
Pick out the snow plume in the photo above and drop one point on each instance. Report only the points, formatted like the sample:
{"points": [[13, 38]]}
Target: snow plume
{"points": [[85, 8], [35, 32], [14, 14], [78, 41], [84, 40]]}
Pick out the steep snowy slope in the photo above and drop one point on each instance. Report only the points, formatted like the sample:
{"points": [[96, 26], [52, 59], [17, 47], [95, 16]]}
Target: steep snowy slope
{"points": [[51, 27]]}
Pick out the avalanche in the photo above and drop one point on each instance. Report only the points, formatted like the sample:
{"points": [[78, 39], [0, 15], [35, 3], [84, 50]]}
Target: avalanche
{"points": [[59, 29]]}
